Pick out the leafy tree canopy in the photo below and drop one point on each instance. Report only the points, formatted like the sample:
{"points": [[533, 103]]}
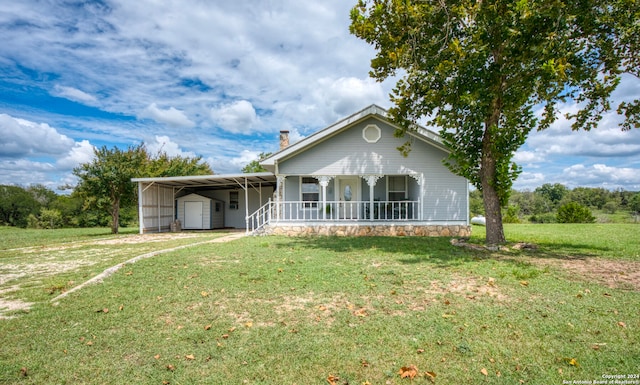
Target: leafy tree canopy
{"points": [[480, 70], [163, 165], [16, 204], [105, 182], [254, 165]]}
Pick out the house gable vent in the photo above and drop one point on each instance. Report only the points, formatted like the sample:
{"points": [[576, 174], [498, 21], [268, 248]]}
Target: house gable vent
{"points": [[371, 133]]}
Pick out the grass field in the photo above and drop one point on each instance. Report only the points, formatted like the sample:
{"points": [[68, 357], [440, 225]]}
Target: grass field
{"points": [[275, 310]]}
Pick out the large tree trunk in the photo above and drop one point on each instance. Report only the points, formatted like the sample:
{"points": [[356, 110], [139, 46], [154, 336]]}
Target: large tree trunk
{"points": [[488, 172], [492, 210], [115, 216]]}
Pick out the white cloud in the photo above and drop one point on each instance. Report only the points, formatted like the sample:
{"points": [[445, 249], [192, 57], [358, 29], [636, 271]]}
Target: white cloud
{"points": [[523, 156], [25, 138], [170, 116], [23, 172], [165, 144], [529, 180], [74, 94], [601, 175], [82, 152], [346, 95], [238, 117], [607, 140], [288, 65]]}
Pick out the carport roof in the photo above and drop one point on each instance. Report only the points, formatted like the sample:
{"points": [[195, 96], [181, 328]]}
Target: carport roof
{"points": [[212, 181]]}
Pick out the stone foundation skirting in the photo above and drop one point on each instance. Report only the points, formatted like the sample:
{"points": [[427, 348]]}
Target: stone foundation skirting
{"points": [[364, 230]]}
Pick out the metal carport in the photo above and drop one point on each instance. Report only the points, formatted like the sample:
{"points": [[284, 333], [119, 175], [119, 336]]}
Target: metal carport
{"points": [[156, 196]]}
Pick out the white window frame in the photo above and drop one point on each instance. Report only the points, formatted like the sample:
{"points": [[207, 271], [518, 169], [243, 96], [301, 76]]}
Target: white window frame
{"points": [[406, 187], [313, 204], [369, 128], [234, 202]]}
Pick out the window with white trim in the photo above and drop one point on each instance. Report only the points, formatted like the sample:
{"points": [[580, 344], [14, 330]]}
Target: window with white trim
{"points": [[234, 200], [309, 192], [371, 133], [397, 188]]}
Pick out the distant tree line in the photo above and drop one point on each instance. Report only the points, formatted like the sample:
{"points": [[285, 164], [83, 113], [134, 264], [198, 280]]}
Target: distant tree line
{"points": [[558, 203], [104, 195]]}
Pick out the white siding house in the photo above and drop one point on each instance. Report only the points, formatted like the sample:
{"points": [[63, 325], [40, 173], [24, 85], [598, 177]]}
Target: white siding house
{"points": [[348, 179]]}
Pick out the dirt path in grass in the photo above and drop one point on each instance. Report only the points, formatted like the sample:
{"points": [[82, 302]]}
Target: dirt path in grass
{"points": [[100, 277], [614, 274], [8, 301]]}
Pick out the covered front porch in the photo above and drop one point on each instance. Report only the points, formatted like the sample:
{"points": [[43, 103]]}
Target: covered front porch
{"points": [[352, 205]]}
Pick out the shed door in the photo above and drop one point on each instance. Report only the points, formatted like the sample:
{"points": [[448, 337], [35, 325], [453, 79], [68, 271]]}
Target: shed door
{"points": [[192, 215]]}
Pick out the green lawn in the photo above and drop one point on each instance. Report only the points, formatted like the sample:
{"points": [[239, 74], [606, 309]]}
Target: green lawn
{"points": [[276, 310]]}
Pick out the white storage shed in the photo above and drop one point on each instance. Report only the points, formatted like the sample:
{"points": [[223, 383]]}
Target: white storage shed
{"points": [[197, 212]]}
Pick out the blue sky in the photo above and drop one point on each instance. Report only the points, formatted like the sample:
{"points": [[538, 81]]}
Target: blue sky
{"points": [[220, 79]]}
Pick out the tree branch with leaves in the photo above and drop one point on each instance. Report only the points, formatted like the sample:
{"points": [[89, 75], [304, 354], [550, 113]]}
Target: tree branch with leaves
{"points": [[487, 73]]}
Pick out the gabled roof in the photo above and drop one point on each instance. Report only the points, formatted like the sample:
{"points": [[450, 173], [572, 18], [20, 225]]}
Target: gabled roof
{"points": [[373, 111]]}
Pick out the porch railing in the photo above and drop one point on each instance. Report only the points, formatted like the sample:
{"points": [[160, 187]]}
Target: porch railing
{"points": [[333, 211], [260, 217]]}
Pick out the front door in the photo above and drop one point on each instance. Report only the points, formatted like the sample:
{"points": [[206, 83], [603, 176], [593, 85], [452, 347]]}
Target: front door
{"points": [[349, 197]]}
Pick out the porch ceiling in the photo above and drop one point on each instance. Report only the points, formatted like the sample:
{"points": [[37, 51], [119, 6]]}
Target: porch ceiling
{"points": [[213, 182]]}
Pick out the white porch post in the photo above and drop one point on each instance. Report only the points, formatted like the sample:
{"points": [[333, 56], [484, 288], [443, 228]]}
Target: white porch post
{"points": [[420, 179], [281, 179], [324, 182], [371, 181]]}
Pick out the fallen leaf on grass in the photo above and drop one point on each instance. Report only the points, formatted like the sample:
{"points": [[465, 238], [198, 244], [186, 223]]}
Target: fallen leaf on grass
{"points": [[484, 371], [420, 351], [165, 382], [204, 293], [171, 367], [23, 372], [361, 312], [157, 356], [207, 327], [105, 310], [622, 324], [524, 283], [333, 380], [431, 376], [232, 329], [408, 372], [225, 336], [190, 357], [572, 362], [248, 324]]}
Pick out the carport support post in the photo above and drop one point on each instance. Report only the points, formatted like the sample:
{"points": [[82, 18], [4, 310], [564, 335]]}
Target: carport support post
{"points": [[140, 210], [246, 205]]}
